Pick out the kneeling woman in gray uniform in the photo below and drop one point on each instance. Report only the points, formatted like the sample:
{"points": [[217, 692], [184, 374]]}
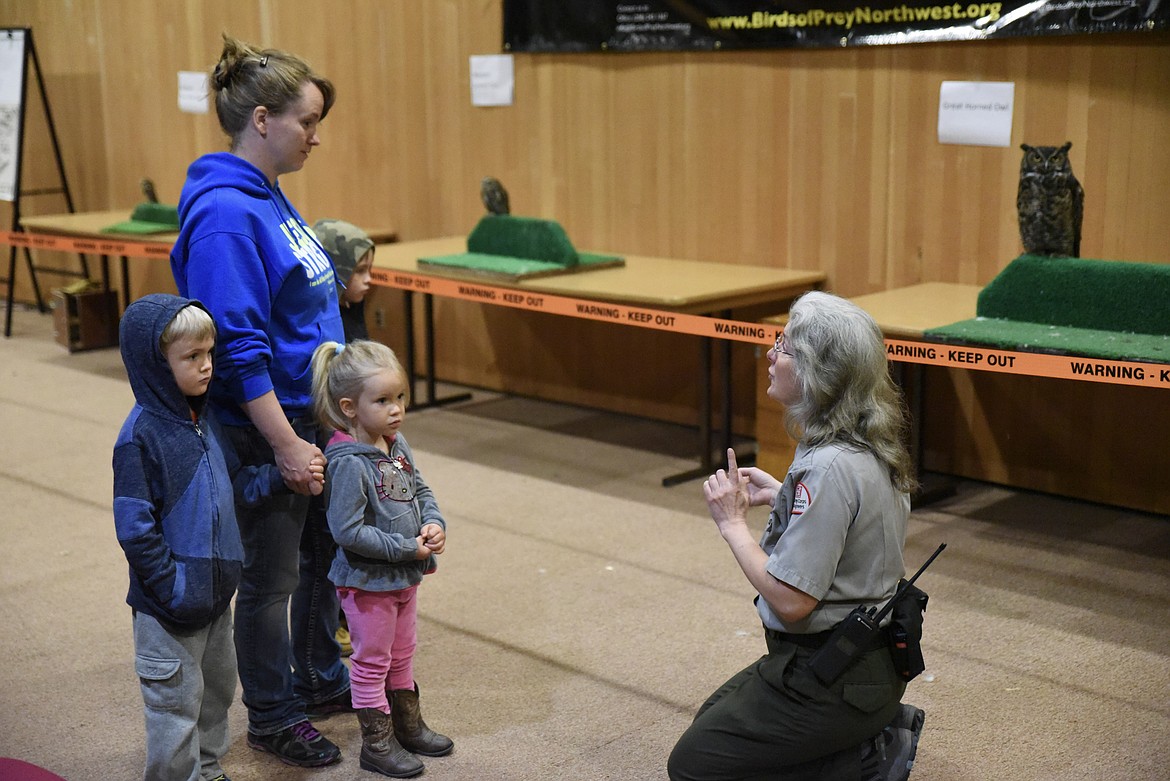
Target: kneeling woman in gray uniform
{"points": [[833, 542]]}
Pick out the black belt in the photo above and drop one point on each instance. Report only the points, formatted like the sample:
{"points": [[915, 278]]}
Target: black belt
{"points": [[817, 639]]}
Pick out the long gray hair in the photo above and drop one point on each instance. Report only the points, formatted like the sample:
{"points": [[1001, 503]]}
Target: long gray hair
{"points": [[846, 393]]}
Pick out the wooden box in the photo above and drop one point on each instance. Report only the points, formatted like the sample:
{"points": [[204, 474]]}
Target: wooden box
{"points": [[85, 320]]}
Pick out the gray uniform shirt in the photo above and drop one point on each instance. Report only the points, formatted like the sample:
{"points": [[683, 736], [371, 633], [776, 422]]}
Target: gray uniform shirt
{"points": [[836, 533]]}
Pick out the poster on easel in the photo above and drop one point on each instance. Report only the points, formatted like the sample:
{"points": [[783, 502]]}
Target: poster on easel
{"points": [[12, 64]]}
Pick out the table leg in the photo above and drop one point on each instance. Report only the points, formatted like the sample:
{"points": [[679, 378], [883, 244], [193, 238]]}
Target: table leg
{"points": [[706, 465], [11, 288], [408, 313], [429, 336], [429, 343], [125, 283], [931, 486]]}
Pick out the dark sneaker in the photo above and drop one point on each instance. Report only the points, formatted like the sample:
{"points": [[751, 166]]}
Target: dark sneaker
{"points": [[299, 745], [900, 740], [341, 703]]}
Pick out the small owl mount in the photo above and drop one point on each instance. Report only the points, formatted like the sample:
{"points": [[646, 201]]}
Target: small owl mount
{"points": [[1050, 202], [494, 196]]}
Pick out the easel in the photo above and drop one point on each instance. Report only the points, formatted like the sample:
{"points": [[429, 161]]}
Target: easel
{"points": [[16, 49]]}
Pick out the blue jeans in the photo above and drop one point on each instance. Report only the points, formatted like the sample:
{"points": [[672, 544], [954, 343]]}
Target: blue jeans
{"points": [[318, 673], [278, 666]]}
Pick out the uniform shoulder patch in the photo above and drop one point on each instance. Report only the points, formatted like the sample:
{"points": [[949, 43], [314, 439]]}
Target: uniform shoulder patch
{"points": [[801, 500]]}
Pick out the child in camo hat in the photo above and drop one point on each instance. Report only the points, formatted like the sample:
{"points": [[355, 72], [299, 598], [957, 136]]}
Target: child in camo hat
{"points": [[352, 252], [353, 255]]}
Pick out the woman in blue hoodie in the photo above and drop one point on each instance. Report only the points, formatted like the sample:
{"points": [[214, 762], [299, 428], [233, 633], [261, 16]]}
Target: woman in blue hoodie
{"points": [[249, 256]]}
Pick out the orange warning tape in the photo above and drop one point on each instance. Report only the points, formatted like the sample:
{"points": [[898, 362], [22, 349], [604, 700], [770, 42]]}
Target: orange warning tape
{"points": [[518, 298], [1064, 367], [57, 243], [1068, 367]]}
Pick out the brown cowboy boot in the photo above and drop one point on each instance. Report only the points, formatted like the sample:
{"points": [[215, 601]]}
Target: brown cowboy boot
{"points": [[410, 729], [381, 753]]}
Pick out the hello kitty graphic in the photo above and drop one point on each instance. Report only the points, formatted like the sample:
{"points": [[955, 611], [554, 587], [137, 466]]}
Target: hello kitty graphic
{"points": [[396, 481]]}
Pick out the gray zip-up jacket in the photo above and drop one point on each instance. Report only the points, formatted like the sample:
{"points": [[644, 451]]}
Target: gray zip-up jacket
{"points": [[376, 504]]}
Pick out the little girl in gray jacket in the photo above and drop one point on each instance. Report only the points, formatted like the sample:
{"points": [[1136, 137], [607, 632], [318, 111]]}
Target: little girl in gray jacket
{"points": [[388, 530]]}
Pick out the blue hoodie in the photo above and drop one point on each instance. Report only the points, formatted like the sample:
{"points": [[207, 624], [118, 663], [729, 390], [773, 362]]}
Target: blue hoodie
{"points": [[249, 257], [174, 508]]}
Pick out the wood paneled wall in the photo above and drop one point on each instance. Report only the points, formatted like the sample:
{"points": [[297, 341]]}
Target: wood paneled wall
{"points": [[818, 159], [810, 159]]}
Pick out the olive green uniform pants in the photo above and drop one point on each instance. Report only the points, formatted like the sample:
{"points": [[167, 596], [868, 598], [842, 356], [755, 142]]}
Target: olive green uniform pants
{"points": [[774, 720]]}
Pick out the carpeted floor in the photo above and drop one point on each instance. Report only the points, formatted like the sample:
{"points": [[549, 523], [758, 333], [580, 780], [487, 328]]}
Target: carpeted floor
{"points": [[581, 611]]}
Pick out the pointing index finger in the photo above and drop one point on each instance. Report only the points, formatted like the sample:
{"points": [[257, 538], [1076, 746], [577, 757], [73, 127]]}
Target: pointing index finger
{"points": [[732, 467]]}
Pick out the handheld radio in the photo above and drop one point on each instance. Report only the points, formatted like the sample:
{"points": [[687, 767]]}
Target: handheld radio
{"points": [[854, 636]]}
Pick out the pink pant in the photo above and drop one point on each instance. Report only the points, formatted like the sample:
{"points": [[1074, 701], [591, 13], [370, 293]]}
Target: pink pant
{"points": [[383, 631]]}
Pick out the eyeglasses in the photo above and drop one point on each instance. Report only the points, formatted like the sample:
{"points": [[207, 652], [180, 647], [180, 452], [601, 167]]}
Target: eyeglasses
{"points": [[779, 346]]}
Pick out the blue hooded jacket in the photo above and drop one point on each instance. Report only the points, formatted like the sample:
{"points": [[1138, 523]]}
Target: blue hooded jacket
{"points": [[245, 252], [174, 508]]}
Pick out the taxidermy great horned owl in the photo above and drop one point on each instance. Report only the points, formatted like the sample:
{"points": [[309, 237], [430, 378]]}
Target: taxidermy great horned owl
{"points": [[494, 196], [1050, 202]]}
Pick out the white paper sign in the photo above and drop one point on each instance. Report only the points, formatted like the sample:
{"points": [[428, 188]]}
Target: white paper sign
{"points": [[976, 112], [12, 67], [491, 79], [193, 92]]}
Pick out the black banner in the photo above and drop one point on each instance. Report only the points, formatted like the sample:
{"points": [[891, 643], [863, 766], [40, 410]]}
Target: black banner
{"points": [[708, 25]]}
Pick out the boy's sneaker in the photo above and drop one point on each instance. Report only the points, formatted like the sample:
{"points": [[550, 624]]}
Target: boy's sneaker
{"points": [[299, 745], [900, 738], [340, 703]]}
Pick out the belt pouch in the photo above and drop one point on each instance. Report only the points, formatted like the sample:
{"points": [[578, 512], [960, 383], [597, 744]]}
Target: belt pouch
{"points": [[906, 633]]}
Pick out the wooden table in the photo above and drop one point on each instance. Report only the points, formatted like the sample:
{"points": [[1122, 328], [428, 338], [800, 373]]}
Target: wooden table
{"points": [[1095, 442], [905, 312], [91, 224], [684, 286], [690, 286]]}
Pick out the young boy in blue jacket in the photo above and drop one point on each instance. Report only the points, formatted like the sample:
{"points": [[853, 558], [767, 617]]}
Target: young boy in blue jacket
{"points": [[174, 487]]}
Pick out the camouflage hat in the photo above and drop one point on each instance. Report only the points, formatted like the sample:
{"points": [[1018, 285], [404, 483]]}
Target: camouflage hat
{"points": [[345, 243]]}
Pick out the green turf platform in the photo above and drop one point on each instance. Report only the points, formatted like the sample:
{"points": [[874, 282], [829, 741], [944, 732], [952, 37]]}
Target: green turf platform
{"points": [[515, 248], [516, 268], [148, 218], [1063, 340], [1076, 306]]}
